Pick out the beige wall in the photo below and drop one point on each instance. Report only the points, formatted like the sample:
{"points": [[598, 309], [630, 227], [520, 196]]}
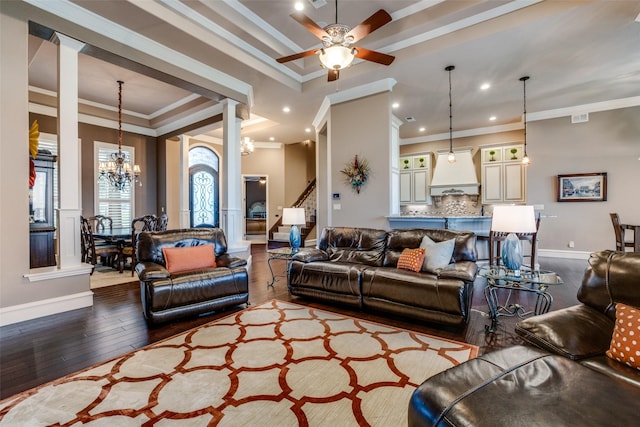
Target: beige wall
{"points": [[145, 156], [269, 162], [608, 142], [300, 169], [361, 127], [14, 158]]}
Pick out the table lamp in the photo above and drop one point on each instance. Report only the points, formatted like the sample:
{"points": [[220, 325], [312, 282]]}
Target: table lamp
{"points": [[294, 217], [513, 219]]}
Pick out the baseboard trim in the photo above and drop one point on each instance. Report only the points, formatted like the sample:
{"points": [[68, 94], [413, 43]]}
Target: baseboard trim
{"points": [[47, 307], [556, 253]]}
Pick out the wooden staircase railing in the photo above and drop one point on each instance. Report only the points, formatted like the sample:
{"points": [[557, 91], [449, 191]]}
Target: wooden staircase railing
{"points": [[311, 222]]}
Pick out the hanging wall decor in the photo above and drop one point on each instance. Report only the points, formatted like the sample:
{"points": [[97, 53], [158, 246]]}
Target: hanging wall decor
{"points": [[357, 173]]}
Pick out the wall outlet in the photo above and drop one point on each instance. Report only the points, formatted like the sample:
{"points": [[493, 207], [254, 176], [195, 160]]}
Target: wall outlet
{"points": [[336, 206], [538, 207], [572, 244]]}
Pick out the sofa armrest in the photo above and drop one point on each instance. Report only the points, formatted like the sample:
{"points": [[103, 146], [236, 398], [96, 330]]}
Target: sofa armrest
{"points": [[462, 270], [150, 270], [311, 255], [226, 260], [575, 332]]}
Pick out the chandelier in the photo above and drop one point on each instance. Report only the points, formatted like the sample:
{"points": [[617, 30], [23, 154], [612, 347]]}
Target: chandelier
{"points": [[246, 146], [118, 171], [451, 157]]}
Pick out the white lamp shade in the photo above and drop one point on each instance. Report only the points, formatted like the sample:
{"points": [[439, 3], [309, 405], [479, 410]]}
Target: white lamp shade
{"points": [[513, 219], [293, 216], [336, 57]]}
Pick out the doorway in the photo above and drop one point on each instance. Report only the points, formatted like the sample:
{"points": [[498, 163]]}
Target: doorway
{"points": [[255, 208]]}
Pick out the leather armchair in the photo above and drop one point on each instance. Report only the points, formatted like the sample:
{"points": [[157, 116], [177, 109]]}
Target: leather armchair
{"points": [[167, 296]]}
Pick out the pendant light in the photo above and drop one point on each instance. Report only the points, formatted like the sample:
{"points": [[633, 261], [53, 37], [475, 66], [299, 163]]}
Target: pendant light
{"points": [[451, 157], [525, 159], [118, 171]]}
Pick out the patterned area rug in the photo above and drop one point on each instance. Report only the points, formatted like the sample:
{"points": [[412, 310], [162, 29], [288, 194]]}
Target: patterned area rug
{"points": [[275, 364]]}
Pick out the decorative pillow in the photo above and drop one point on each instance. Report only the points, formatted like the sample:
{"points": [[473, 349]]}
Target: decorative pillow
{"points": [[411, 259], [188, 258], [437, 255], [625, 343]]}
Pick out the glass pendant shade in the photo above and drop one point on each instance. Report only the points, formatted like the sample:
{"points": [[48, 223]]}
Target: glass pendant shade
{"points": [[336, 57]]}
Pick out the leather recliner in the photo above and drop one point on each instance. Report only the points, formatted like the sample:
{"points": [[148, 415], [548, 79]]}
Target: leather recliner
{"points": [[565, 380], [167, 296]]}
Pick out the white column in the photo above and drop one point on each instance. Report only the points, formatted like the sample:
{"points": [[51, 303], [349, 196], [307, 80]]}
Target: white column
{"points": [[68, 214], [231, 188], [185, 213]]}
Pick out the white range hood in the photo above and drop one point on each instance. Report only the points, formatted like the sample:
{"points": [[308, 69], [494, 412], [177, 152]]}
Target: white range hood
{"points": [[455, 178]]}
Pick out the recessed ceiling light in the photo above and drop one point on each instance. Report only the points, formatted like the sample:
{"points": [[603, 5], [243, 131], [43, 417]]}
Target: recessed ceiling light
{"points": [[485, 86], [286, 109], [307, 130], [299, 6], [422, 129], [395, 105], [271, 138], [492, 118]]}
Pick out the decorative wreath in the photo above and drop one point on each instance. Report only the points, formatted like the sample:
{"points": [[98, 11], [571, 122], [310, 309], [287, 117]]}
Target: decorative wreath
{"points": [[357, 173]]}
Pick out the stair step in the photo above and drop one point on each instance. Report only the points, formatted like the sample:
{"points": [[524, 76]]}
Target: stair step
{"points": [[281, 237]]}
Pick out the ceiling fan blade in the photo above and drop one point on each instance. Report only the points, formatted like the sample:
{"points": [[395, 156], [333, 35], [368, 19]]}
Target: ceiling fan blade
{"points": [[372, 55], [310, 25], [297, 56], [333, 75], [369, 25]]}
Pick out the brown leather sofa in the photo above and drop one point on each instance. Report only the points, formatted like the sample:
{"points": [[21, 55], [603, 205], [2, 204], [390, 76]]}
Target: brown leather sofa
{"points": [[357, 267], [565, 380], [167, 296]]}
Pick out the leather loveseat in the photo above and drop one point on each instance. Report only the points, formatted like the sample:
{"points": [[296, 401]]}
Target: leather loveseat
{"points": [[167, 296], [564, 379], [357, 267]]}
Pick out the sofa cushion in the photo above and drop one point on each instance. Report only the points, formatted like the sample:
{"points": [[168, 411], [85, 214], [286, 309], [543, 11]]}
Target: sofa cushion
{"points": [[464, 247], [522, 386], [611, 277], [354, 245], [575, 332], [190, 258], [625, 342], [437, 254], [411, 259]]}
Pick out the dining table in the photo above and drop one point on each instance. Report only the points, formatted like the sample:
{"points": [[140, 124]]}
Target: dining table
{"points": [[636, 239], [121, 237]]}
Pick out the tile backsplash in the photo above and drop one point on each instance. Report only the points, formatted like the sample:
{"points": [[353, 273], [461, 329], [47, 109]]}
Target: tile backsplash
{"points": [[450, 205]]}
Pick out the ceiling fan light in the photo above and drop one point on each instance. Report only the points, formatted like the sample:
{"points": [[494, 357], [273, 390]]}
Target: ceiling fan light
{"points": [[336, 57]]}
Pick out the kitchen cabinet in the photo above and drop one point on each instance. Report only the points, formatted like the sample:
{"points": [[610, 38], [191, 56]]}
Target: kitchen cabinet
{"points": [[415, 178], [504, 177]]}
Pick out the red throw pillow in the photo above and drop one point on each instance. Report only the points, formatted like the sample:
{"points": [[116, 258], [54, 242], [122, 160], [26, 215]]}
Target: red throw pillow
{"points": [[625, 342], [411, 259], [188, 258]]}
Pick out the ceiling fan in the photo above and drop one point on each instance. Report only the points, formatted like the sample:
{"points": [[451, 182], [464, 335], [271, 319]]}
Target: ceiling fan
{"points": [[338, 51]]}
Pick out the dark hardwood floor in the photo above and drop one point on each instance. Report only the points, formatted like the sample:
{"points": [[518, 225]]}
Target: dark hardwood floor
{"points": [[41, 350]]}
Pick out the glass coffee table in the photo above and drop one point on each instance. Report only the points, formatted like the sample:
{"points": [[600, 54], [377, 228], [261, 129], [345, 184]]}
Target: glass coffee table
{"points": [[499, 277], [285, 254]]}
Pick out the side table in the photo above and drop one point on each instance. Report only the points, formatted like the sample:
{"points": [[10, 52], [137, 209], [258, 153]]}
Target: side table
{"points": [[499, 277], [285, 254]]}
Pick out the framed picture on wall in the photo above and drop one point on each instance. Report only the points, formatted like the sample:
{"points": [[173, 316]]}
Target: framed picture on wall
{"points": [[582, 187]]}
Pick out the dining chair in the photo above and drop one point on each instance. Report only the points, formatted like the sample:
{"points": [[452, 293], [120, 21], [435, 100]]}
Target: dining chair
{"points": [[163, 222], [90, 252], [618, 229], [101, 223], [138, 225]]}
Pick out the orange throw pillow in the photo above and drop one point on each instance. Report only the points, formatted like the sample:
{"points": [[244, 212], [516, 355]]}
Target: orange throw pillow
{"points": [[188, 258], [411, 259], [625, 343]]}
